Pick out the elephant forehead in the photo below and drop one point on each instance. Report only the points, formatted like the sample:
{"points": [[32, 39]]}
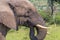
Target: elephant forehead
{"points": [[26, 5], [22, 3]]}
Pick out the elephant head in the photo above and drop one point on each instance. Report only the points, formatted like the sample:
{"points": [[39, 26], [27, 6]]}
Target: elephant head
{"points": [[27, 13]]}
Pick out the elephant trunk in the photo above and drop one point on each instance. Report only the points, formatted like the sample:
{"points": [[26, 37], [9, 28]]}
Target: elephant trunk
{"points": [[41, 28], [41, 33], [38, 21]]}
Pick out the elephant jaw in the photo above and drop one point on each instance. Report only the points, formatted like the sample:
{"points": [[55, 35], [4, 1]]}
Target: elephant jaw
{"points": [[40, 26]]}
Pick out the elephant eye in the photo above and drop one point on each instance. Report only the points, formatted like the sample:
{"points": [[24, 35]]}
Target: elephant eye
{"points": [[29, 10]]}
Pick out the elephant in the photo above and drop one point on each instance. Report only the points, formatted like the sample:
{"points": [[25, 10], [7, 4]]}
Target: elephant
{"points": [[26, 13], [7, 19], [21, 12]]}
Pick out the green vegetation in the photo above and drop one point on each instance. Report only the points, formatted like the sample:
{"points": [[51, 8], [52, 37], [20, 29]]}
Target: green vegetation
{"points": [[45, 15], [23, 33], [48, 18], [54, 33], [58, 18]]}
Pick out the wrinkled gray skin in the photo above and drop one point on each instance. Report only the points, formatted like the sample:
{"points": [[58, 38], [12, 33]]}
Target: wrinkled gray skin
{"points": [[20, 12]]}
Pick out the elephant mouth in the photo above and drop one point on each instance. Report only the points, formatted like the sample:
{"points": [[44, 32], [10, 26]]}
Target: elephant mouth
{"points": [[40, 26]]}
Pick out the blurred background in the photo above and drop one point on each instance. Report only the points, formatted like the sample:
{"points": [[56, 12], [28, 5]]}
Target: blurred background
{"points": [[50, 11]]}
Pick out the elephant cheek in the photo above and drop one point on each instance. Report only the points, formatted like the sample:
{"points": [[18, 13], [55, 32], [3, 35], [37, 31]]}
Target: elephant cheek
{"points": [[23, 20]]}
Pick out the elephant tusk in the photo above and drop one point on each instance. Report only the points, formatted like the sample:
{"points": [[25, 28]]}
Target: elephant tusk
{"points": [[40, 26]]}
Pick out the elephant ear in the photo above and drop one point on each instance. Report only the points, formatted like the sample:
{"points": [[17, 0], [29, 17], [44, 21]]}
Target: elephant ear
{"points": [[8, 20], [7, 16]]}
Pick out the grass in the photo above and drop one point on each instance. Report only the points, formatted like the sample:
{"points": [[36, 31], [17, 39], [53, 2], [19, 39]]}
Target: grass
{"points": [[54, 33], [23, 33]]}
